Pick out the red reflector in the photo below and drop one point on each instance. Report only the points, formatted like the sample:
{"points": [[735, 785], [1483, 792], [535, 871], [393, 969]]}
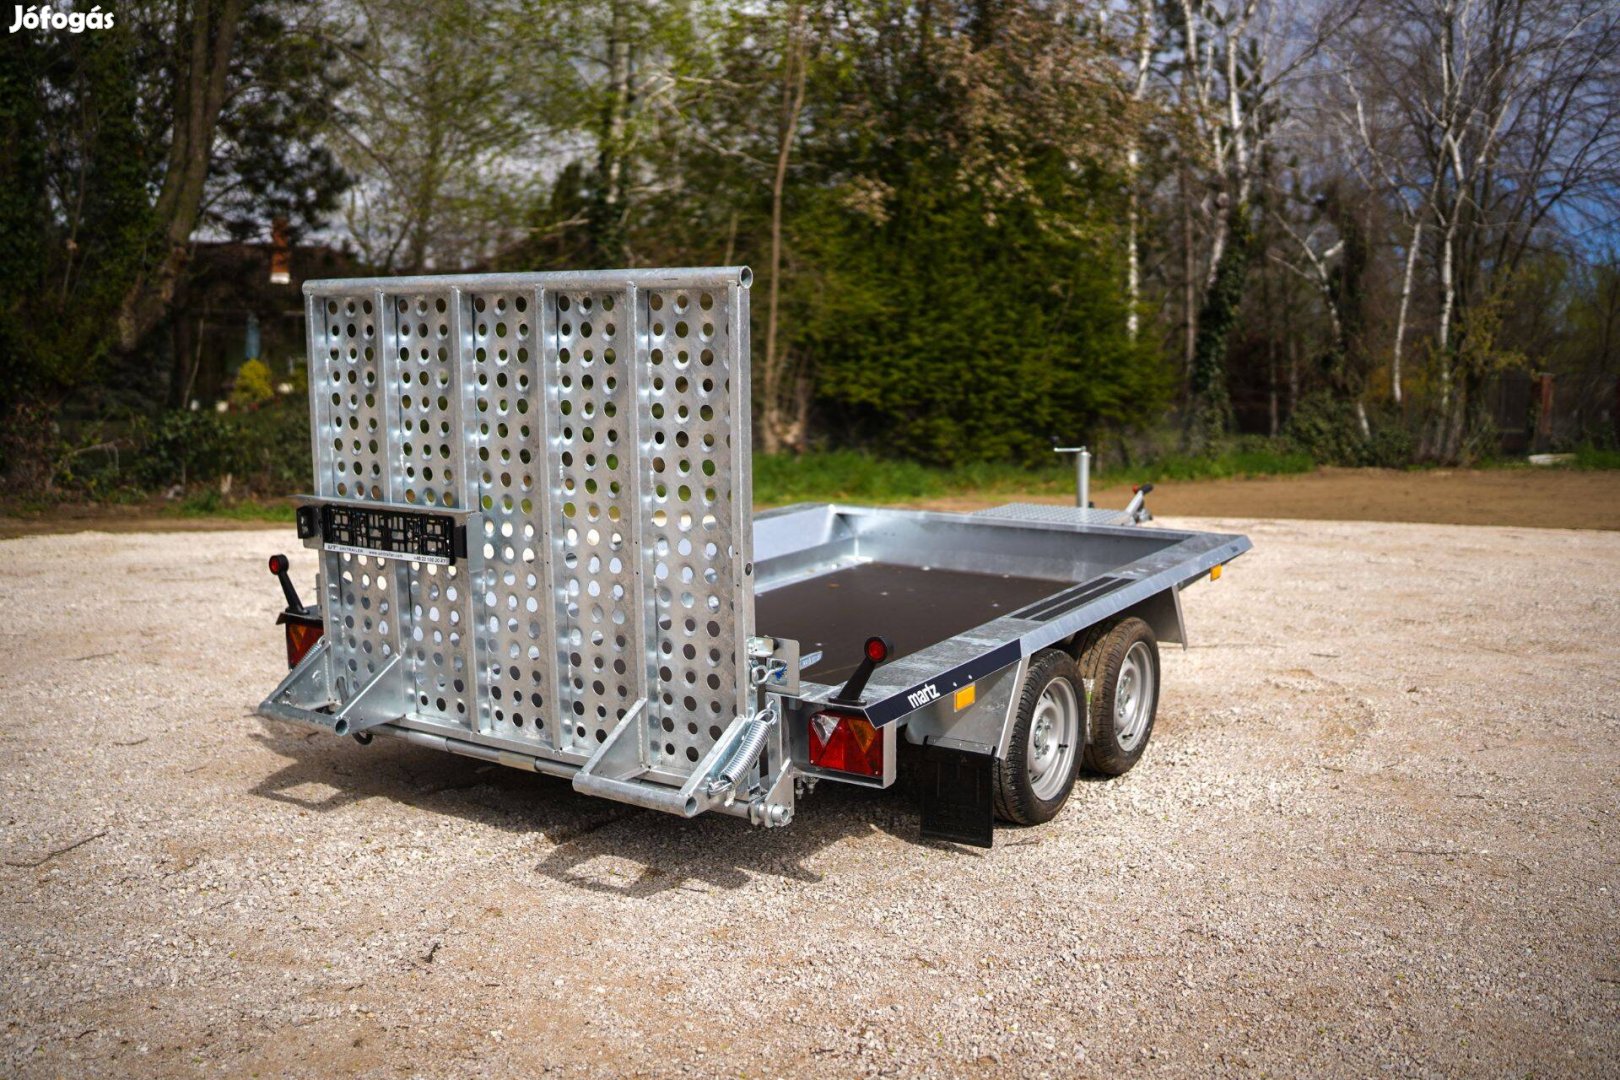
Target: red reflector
{"points": [[278, 564], [301, 637], [877, 650], [845, 743]]}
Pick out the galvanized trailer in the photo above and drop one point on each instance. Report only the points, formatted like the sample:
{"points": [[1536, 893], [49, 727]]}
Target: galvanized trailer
{"points": [[535, 542]]}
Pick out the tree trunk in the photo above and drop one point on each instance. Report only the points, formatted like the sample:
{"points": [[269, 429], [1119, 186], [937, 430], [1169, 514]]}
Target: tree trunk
{"points": [[200, 97], [607, 228], [1210, 410], [777, 432], [1189, 287], [1406, 303], [1133, 161], [1133, 266], [1266, 301]]}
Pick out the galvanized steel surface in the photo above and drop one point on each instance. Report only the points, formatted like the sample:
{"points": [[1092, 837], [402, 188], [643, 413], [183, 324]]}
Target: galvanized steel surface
{"points": [[1056, 515], [592, 429]]}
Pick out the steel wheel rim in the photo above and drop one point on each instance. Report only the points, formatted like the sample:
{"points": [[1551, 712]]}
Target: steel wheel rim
{"points": [[1053, 735], [1133, 697]]}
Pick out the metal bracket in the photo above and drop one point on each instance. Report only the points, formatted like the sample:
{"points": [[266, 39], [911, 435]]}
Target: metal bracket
{"points": [[305, 697], [305, 691], [615, 771], [775, 664], [371, 706]]}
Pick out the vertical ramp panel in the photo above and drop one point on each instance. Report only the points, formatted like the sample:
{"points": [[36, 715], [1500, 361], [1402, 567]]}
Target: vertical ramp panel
{"points": [[351, 421], [694, 532], [504, 406], [421, 365], [590, 383], [594, 430]]}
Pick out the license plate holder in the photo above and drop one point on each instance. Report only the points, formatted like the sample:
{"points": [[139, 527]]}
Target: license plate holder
{"points": [[385, 532]]}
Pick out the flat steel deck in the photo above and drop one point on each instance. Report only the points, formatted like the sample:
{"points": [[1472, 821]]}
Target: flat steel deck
{"points": [[912, 607]]}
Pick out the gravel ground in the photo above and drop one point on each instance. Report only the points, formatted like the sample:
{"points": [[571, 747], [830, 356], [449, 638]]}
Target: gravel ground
{"points": [[1376, 831]]}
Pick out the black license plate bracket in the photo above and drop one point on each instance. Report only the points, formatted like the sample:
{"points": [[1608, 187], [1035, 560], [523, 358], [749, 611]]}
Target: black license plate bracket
{"points": [[385, 532]]}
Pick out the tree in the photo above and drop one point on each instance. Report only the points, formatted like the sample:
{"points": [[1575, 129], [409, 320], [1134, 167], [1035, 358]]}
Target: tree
{"points": [[1230, 64], [122, 144], [1494, 126], [967, 301], [434, 132]]}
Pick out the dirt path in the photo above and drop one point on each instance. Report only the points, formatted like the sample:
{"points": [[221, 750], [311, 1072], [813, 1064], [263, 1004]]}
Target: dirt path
{"points": [[1547, 498], [1377, 830]]}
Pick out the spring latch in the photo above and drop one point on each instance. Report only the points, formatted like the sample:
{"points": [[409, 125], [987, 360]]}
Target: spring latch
{"points": [[749, 747]]}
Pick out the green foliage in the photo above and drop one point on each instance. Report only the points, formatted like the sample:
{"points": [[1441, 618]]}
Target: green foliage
{"points": [[922, 356], [87, 123], [61, 278], [275, 158], [1246, 458], [1325, 429], [184, 447], [208, 503], [950, 184], [254, 385], [842, 474], [1588, 456], [271, 448], [965, 302], [1209, 408], [265, 450]]}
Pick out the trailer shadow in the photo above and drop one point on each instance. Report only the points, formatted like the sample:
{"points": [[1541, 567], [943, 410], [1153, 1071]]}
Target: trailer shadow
{"points": [[594, 845]]}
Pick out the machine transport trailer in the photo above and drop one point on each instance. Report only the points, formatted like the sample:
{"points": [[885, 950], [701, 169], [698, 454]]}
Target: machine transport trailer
{"points": [[536, 546]]}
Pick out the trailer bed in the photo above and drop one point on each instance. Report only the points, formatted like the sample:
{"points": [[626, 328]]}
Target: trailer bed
{"points": [[1021, 578], [913, 607]]}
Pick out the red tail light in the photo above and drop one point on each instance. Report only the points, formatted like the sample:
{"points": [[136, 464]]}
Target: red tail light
{"points": [[844, 742], [302, 634]]}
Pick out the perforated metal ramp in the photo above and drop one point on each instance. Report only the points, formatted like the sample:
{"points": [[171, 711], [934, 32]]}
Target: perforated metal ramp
{"points": [[592, 430]]}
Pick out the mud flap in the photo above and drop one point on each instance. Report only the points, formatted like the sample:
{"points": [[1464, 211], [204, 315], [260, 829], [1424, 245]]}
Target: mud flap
{"points": [[957, 796]]}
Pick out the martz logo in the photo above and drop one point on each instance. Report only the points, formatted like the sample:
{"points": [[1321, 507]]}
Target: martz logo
{"points": [[47, 17], [922, 697]]}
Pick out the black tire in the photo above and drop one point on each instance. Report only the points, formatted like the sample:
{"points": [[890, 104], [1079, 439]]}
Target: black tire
{"points": [[1015, 795], [1113, 748]]}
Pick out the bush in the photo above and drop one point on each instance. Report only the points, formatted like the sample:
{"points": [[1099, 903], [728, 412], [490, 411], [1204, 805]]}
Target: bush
{"points": [[272, 447], [184, 448], [254, 385], [1325, 429], [265, 451]]}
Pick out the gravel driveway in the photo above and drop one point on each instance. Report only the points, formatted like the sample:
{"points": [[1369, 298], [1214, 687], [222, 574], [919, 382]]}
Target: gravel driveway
{"points": [[1376, 831]]}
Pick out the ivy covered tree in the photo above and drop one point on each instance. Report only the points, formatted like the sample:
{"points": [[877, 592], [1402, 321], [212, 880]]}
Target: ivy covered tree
{"points": [[119, 147]]}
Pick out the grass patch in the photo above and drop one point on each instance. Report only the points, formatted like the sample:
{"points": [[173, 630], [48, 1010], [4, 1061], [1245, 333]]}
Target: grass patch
{"points": [[1590, 457], [1583, 457], [848, 475], [209, 504]]}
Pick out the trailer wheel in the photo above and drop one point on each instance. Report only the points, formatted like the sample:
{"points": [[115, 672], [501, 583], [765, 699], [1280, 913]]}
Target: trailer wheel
{"points": [[1034, 780], [1123, 665]]}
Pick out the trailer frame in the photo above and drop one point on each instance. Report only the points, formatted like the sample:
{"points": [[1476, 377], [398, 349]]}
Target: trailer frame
{"points": [[532, 518]]}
